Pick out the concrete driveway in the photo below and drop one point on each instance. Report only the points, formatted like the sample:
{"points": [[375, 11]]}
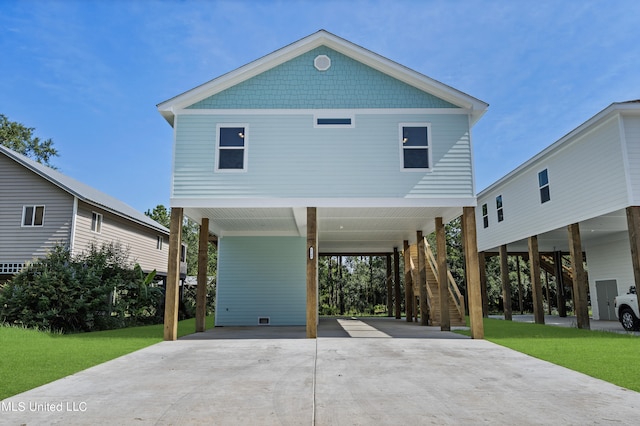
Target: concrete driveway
{"points": [[371, 372]]}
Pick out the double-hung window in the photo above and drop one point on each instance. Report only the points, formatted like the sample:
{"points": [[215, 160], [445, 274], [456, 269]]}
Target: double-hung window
{"points": [[415, 149], [96, 222], [543, 183], [33, 216], [499, 208], [231, 147], [485, 216]]}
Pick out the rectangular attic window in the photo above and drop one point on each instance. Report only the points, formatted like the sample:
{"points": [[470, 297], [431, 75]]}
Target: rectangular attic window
{"points": [[333, 121]]}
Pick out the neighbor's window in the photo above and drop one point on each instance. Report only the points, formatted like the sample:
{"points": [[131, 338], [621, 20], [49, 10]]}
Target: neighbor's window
{"points": [[159, 241], [499, 208], [32, 215], [231, 148], [543, 182], [414, 146], [485, 216], [96, 222]]}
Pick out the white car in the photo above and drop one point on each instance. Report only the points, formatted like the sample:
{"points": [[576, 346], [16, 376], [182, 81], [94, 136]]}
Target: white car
{"points": [[627, 311]]}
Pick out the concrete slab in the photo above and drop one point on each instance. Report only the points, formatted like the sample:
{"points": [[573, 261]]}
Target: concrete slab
{"points": [[268, 378]]}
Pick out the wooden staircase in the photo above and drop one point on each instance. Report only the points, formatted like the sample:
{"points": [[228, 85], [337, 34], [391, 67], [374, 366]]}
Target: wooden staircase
{"points": [[456, 300]]}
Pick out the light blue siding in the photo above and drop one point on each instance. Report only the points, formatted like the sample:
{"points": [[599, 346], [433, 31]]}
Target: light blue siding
{"points": [[298, 84], [289, 157], [261, 277]]}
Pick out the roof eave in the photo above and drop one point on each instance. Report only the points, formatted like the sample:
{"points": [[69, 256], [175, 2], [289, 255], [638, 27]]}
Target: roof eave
{"points": [[280, 56]]}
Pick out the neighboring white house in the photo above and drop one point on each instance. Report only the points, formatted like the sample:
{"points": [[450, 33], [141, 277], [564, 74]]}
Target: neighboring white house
{"points": [[40, 207], [368, 149], [590, 177]]}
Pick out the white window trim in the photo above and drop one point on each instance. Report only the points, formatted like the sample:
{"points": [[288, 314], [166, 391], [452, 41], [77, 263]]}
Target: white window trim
{"points": [[429, 147], [485, 215], [245, 147], [499, 209], [99, 220], [548, 185], [33, 216], [338, 115], [159, 242]]}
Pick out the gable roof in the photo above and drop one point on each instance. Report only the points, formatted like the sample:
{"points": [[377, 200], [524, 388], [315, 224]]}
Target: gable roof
{"points": [[632, 106], [323, 38], [84, 192]]}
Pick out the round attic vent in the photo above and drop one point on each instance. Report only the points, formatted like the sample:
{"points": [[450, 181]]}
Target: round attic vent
{"points": [[322, 62]]}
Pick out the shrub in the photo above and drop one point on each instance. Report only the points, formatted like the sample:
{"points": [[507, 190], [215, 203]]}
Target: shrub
{"points": [[96, 290]]}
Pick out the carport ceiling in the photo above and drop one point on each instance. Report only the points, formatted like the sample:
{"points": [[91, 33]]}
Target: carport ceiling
{"points": [[591, 230], [340, 230]]}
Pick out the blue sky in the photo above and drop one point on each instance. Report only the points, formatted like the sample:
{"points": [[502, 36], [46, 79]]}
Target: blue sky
{"points": [[89, 74]]}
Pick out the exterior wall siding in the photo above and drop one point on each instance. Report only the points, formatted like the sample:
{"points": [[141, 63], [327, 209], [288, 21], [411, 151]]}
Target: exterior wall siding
{"points": [[632, 137], [261, 277], [586, 177], [298, 84], [139, 241], [20, 187], [609, 259], [288, 157]]}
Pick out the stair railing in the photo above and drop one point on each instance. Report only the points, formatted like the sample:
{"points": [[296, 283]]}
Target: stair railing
{"points": [[454, 291]]}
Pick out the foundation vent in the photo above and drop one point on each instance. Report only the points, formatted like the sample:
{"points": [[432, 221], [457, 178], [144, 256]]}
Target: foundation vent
{"points": [[263, 320]]}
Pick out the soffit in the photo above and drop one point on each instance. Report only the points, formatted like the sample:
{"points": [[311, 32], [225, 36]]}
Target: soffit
{"points": [[340, 230]]}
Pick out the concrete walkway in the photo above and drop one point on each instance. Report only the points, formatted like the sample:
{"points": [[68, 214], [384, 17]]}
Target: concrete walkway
{"points": [[378, 371]]}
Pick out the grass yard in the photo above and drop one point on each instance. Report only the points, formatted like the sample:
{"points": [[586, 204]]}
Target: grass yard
{"points": [[608, 356], [30, 358]]}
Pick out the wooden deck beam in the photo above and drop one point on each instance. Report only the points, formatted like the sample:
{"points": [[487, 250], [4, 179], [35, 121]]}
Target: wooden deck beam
{"points": [[580, 284], [389, 288], [201, 289], [482, 265], [443, 278], [633, 225], [173, 275], [506, 284], [473, 272], [396, 282], [422, 285], [408, 282], [536, 286], [312, 273]]}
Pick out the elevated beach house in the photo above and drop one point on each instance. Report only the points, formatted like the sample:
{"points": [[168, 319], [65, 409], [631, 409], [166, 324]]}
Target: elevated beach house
{"points": [[41, 207], [576, 203], [319, 147]]}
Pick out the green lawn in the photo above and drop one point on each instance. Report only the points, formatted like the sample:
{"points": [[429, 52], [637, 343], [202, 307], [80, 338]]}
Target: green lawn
{"points": [[30, 358], [608, 356]]}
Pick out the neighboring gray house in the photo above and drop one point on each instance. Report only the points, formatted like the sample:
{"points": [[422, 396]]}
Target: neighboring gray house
{"points": [[319, 147], [40, 207], [589, 178]]}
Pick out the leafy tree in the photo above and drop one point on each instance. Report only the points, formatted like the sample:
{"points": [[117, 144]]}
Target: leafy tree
{"points": [[190, 236], [19, 138], [96, 290], [160, 214]]}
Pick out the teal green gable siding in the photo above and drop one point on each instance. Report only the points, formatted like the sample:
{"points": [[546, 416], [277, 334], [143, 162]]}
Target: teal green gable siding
{"points": [[297, 84], [261, 277], [288, 157]]}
